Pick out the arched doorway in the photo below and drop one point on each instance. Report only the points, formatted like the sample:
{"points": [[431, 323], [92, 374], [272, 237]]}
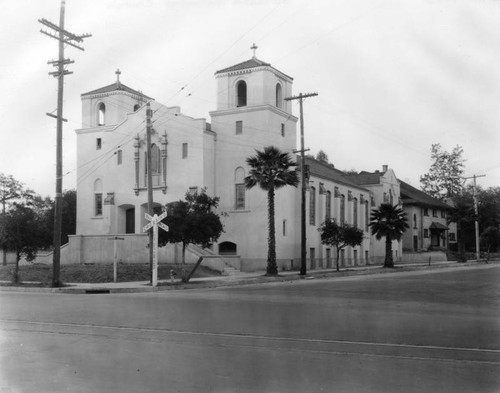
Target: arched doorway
{"points": [[130, 220], [227, 248]]}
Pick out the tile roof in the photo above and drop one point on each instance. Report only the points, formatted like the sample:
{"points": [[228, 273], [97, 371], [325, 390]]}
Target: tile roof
{"points": [[412, 196], [365, 178], [116, 87], [252, 63], [327, 171]]}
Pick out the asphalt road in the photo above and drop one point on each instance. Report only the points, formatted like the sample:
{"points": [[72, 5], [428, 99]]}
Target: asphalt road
{"points": [[436, 331]]}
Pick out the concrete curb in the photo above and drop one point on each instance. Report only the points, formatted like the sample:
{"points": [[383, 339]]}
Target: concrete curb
{"points": [[259, 278]]}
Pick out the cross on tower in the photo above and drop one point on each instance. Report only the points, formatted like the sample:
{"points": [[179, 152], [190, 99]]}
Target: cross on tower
{"points": [[254, 48], [118, 72]]}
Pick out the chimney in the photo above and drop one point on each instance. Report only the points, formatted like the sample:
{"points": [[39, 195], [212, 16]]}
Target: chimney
{"points": [[384, 168]]}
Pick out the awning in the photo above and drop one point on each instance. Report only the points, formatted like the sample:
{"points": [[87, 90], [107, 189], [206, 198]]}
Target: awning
{"points": [[439, 226]]}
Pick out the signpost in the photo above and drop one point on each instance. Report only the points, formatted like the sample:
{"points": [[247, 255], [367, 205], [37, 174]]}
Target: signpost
{"points": [[155, 222], [115, 255]]}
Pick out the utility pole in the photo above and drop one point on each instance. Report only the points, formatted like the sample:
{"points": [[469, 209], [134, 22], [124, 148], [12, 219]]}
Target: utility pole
{"points": [[149, 114], [303, 264], [476, 215], [64, 37]]}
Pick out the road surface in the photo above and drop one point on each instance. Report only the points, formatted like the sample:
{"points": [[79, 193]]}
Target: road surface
{"points": [[435, 331]]}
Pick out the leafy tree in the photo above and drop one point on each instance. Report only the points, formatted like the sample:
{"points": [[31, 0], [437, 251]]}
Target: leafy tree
{"points": [[10, 190], [25, 231], [444, 179], [340, 236], [351, 171], [490, 239], [488, 206], [464, 214], [271, 169], [390, 222], [68, 225], [322, 156], [192, 221]]}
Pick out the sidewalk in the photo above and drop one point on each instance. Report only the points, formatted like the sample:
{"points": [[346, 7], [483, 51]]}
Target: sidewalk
{"points": [[240, 278]]}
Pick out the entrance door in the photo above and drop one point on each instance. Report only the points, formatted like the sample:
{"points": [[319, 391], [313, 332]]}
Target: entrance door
{"points": [[312, 254], [435, 235], [415, 243], [328, 258], [130, 220]]}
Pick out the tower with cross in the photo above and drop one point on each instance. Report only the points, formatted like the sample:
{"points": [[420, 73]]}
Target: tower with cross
{"points": [[110, 104]]}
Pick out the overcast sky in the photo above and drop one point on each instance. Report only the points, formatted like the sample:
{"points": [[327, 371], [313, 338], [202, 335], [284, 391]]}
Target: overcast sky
{"points": [[393, 77]]}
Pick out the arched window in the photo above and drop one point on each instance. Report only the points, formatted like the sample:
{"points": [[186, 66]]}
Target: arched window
{"points": [[227, 248], [328, 205], [101, 117], [342, 208], [279, 96], [98, 197], [355, 212], [155, 159], [367, 216], [241, 93], [239, 188], [312, 206]]}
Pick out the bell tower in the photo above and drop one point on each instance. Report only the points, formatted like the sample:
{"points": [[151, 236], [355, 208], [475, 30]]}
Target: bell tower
{"points": [[251, 107], [251, 114], [109, 105]]}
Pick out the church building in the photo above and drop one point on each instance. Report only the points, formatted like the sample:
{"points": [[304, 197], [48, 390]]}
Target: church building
{"points": [[190, 154]]}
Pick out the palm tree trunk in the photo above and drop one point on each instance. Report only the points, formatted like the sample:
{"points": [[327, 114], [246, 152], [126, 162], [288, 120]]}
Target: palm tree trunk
{"points": [[388, 262], [338, 257], [461, 243], [4, 251], [15, 277], [272, 268]]}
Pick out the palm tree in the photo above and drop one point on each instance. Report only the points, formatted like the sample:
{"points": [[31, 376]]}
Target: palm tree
{"points": [[271, 170], [390, 222]]}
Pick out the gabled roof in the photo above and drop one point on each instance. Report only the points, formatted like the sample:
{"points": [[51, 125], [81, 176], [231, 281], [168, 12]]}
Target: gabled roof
{"points": [[365, 178], [412, 196], [116, 87], [438, 225], [327, 172], [252, 63]]}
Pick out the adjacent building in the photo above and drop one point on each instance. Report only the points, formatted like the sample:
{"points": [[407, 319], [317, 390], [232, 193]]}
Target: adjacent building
{"points": [[428, 221], [384, 187]]}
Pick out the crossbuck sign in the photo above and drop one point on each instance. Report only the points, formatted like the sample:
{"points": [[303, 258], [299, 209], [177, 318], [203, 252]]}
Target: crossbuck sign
{"points": [[155, 222]]}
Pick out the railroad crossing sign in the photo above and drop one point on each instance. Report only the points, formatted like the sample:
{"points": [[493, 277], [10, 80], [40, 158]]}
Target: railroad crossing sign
{"points": [[155, 222]]}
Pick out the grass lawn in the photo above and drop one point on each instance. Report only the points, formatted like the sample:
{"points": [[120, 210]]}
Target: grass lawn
{"points": [[98, 273]]}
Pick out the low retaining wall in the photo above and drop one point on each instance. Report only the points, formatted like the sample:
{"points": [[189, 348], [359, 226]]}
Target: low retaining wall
{"points": [[133, 248], [424, 257]]}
